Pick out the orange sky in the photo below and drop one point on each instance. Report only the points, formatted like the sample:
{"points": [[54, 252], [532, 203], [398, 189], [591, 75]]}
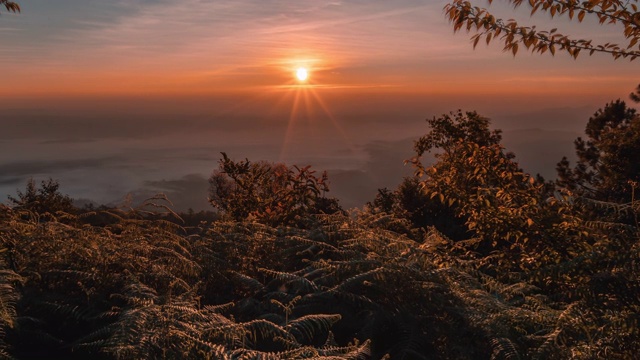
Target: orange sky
{"points": [[191, 47]]}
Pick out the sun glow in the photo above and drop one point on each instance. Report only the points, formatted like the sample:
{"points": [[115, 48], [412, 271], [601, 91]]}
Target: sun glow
{"points": [[302, 74], [309, 113]]}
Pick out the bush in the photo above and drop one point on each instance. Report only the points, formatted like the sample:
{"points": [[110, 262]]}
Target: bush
{"points": [[269, 193]]}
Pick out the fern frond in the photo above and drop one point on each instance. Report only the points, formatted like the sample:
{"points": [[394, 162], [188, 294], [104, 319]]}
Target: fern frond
{"points": [[355, 352], [266, 330], [297, 284], [219, 308], [548, 346], [248, 282], [503, 349], [8, 300], [307, 328], [357, 280], [137, 293]]}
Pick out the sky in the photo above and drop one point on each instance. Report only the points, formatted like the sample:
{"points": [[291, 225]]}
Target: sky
{"points": [[139, 96]]}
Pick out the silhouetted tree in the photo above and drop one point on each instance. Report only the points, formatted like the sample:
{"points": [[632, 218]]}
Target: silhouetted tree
{"points": [[608, 159], [46, 199], [384, 201], [270, 193], [635, 96], [409, 201], [450, 129]]}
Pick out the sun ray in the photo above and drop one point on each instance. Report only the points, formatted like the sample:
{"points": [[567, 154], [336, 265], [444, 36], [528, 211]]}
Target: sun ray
{"points": [[309, 113], [291, 124], [282, 100], [348, 142], [307, 107]]}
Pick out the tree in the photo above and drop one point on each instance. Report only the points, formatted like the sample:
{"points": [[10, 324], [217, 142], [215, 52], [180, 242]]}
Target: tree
{"points": [[10, 5], [450, 129], [502, 206], [635, 96], [464, 15], [269, 193], [43, 200], [607, 164], [409, 201]]}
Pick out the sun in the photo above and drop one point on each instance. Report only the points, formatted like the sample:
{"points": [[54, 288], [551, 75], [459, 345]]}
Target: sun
{"points": [[302, 74]]}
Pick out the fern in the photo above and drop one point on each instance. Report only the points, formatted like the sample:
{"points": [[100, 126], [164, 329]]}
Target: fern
{"points": [[310, 327], [503, 349], [8, 299], [293, 283]]}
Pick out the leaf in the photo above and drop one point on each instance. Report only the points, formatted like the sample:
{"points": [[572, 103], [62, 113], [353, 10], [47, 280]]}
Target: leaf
{"points": [[475, 40]]}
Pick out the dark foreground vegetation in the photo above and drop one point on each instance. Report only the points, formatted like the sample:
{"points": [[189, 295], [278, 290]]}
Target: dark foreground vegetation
{"points": [[470, 259]]}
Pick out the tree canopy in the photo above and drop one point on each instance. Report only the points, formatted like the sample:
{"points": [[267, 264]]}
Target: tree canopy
{"points": [[607, 165], [463, 14]]}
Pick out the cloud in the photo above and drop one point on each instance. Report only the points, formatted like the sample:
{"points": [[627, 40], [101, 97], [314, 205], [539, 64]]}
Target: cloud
{"points": [[352, 187], [117, 120], [384, 167], [192, 44], [31, 168], [15, 174], [539, 151], [11, 180]]}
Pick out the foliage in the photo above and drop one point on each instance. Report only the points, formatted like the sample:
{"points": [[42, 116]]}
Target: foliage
{"points": [[625, 13], [346, 288], [44, 201], [531, 277], [450, 129], [409, 201], [8, 299], [607, 165], [415, 201], [11, 6], [192, 219], [635, 96], [269, 193], [509, 218]]}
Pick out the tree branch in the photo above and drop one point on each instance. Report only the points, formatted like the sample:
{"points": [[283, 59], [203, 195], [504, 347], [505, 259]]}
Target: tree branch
{"points": [[463, 14]]}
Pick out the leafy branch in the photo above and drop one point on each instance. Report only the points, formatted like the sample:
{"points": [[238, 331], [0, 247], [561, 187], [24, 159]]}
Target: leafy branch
{"points": [[464, 15], [10, 6]]}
